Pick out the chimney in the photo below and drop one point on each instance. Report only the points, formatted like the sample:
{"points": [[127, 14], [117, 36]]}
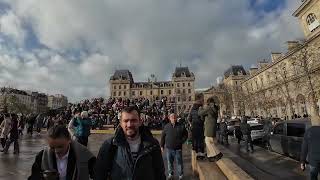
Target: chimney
{"points": [[292, 45], [263, 64], [253, 70], [275, 56]]}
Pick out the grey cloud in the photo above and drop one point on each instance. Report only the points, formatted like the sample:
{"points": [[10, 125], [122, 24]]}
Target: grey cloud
{"points": [[146, 36]]}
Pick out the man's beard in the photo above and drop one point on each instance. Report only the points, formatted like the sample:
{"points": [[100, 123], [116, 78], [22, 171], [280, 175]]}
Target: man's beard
{"points": [[133, 133]]}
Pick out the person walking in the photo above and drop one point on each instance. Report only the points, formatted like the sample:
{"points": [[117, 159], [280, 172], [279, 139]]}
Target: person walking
{"points": [[224, 132], [173, 136], [311, 149], [197, 129], [5, 129], [63, 158], [82, 126], [237, 132], [267, 127], [246, 131], [132, 153], [210, 115], [13, 136]]}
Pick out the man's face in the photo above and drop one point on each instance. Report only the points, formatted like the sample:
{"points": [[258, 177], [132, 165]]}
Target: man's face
{"points": [[173, 118], [130, 123], [59, 145]]}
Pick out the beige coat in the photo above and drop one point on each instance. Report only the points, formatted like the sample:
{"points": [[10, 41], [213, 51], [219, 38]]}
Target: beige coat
{"points": [[5, 128]]}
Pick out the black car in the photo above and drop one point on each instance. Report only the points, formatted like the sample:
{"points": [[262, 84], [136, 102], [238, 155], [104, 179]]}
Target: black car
{"points": [[287, 137]]}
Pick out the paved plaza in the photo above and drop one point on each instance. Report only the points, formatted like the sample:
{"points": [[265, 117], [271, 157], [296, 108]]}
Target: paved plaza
{"points": [[18, 167]]}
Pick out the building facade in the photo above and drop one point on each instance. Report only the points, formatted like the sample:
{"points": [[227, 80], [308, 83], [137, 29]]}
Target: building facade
{"points": [[57, 101], [289, 85], [179, 91]]}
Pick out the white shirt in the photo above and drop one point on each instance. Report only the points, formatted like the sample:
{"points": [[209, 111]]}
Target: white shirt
{"points": [[62, 164]]}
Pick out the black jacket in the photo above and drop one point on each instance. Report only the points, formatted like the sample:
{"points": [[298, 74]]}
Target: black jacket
{"points": [[311, 146], [149, 164], [36, 172], [173, 136], [196, 122]]}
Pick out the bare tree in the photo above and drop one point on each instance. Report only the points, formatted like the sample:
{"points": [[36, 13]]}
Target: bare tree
{"points": [[307, 67]]}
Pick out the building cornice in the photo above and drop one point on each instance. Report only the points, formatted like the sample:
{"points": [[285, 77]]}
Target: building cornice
{"points": [[301, 7], [287, 55]]}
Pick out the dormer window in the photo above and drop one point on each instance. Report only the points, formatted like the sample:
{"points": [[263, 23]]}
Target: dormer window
{"points": [[312, 22]]}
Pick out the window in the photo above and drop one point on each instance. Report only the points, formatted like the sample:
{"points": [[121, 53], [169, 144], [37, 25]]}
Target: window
{"points": [[140, 93], [183, 84], [114, 93], [161, 92], [189, 84], [178, 91], [189, 98], [311, 18], [278, 129], [296, 129], [312, 22], [119, 93], [114, 87], [150, 92], [124, 93], [183, 91], [119, 86], [178, 99], [189, 90], [169, 92], [178, 84], [124, 87], [133, 93]]}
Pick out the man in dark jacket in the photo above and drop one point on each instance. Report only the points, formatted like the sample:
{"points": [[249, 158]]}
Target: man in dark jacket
{"points": [[173, 136], [246, 131], [133, 153], [197, 128], [63, 158], [311, 148], [223, 132]]}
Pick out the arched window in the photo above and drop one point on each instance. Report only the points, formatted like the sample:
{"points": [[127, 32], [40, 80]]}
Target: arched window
{"points": [[311, 18]]}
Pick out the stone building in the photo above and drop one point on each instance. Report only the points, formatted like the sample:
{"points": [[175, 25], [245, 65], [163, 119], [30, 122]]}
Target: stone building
{"points": [[289, 85], [57, 101], [227, 94], [179, 91]]}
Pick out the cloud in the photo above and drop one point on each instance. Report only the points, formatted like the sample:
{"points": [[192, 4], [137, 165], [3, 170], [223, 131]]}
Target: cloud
{"points": [[11, 26], [85, 41]]}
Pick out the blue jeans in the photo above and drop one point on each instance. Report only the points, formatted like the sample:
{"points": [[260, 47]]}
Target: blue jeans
{"points": [[175, 154], [314, 171]]}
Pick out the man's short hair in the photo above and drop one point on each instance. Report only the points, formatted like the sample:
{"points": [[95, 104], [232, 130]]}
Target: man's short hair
{"points": [[58, 131], [211, 100], [130, 109]]}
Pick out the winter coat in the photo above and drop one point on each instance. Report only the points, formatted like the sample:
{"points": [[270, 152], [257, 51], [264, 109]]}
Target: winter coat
{"points": [[196, 122], [149, 163], [5, 128], [210, 115], [173, 136], [82, 127], [14, 133]]}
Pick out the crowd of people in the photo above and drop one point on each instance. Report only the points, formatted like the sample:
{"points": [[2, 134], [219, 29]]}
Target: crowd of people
{"points": [[133, 152]]}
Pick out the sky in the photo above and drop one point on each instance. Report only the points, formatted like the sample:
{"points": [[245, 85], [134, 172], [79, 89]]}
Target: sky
{"points": [[73, 47]]}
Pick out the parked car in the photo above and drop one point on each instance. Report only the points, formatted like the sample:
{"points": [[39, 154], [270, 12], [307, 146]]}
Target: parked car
{"points": [[287, 137], [254, 120], [257, 131], [230, 125]]}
